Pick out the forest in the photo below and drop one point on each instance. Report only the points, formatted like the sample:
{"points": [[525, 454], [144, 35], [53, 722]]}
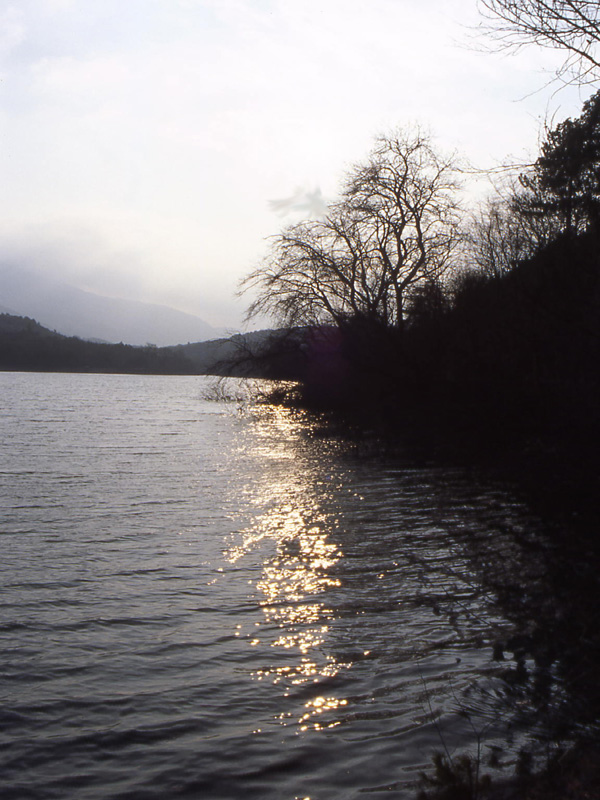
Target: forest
{"points": [[25, 345], [481, 329]]}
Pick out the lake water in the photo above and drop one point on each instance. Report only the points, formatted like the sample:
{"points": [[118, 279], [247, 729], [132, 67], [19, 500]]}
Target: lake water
{"points": [[205, 600]]}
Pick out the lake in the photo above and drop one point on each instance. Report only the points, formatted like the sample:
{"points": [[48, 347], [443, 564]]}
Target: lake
{"points": [[215, 600]]}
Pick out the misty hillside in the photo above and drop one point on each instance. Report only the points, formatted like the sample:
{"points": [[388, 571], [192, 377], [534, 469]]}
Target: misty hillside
{"points": [[74, 312], [25, 345], [259, 354]]}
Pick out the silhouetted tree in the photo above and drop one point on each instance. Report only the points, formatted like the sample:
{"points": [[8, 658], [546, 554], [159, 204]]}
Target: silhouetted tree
{"points": [[572, 26], [564, 183], [499, 237], [395, 227], [558, 195]]}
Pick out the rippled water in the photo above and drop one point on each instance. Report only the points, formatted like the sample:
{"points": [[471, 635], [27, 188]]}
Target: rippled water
{"points": [[206, 601]]}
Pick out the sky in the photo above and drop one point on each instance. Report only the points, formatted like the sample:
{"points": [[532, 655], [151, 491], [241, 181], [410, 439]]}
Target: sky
{"points": [[149, 148]]}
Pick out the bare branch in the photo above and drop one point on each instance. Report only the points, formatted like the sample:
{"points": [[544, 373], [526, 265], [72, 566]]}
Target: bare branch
{"points": [[395, 227], [572, 26]]}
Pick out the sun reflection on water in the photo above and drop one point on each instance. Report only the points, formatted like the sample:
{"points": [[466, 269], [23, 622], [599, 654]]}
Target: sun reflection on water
{"points": [[293, 536], [317, 707]]}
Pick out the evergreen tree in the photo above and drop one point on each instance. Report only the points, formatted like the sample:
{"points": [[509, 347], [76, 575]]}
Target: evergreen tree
{"points": [[565, 181]]}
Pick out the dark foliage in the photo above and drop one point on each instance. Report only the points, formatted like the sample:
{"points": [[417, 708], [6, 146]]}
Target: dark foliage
{"points": [[25, 345], [503, 361], [506, 359], [519, 351], [454, 779], [564, 183]]}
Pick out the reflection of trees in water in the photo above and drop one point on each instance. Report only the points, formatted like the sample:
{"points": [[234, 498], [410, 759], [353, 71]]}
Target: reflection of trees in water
{"points": [[493, 575], [499, 581], [555, 650], [549, 663], [397, 599]]}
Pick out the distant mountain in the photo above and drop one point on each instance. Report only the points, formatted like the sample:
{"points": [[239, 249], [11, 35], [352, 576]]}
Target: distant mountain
{"points": [[254, 354], [74, 312], [27, 345]]}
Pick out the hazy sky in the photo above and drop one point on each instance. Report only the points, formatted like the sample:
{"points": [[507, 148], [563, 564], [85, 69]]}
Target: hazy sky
{"points": [[142, 141]]}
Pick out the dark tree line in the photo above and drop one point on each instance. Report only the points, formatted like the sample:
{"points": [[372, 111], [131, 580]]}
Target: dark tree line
{"points": [[491, 326], [27, 346]]}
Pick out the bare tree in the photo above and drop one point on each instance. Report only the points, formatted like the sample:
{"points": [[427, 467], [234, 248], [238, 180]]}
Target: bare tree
{"points": [[572, 26], [496, 243], [502, 233], [395, 227]]}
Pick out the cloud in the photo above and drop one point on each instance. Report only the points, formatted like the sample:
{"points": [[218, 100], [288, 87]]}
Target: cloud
{"points": [[75, 254], [303, 202], [172, 130]]}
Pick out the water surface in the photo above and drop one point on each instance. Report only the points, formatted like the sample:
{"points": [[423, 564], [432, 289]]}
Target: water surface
{"points": [[203, 600]]}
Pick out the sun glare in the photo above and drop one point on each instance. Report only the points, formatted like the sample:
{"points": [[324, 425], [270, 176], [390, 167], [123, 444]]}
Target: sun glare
{"points": [[293, 540]]}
